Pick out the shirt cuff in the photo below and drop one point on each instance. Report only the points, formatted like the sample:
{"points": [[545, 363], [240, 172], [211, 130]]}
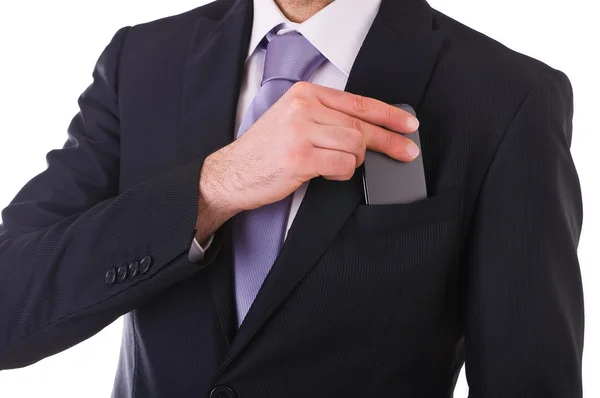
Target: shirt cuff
{"points": [[197, 251]]}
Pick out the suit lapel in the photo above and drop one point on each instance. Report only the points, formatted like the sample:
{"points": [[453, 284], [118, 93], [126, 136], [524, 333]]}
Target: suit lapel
{"points": [[393, 65], [213, 74]]}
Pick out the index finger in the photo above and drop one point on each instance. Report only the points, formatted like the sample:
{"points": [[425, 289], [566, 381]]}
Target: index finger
{"points": [[368, 109]]}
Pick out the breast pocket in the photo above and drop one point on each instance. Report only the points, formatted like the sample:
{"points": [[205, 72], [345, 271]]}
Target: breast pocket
{"points": [[439, 207], [391, 252]]}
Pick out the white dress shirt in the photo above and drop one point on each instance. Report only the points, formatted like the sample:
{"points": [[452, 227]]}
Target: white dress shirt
{"points": [[337, 31]]}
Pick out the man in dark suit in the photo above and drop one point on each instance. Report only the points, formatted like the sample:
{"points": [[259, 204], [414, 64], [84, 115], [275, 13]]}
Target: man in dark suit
{"points": [[238, 242]]}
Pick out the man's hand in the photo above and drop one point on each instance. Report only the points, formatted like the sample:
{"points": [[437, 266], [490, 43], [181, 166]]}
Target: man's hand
{"points": [[311, 131]]}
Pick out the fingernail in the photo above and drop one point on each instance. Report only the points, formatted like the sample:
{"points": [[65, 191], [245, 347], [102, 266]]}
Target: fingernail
{"points": [[412, 123], [412, 150]]}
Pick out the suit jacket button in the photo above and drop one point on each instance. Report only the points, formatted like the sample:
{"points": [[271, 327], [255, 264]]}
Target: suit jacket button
{"points": [[145, 264], [122, 273], [222, 392], [134, 267], [110, 276]]}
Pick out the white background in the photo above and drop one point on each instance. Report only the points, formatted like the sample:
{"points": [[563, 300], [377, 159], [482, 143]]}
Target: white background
{"points": [[48, 50]]}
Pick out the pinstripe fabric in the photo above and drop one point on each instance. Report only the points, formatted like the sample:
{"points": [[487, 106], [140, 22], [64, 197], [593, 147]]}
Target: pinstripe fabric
{"points": [[362, 301]]}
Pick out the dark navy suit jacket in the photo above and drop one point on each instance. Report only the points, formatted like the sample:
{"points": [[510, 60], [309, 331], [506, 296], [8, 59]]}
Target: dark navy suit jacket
{"points": [[363, 300]]}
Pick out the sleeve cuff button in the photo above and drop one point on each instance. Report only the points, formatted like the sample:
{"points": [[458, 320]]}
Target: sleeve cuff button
{"points": [[134, 268], [145, 264], [122, 273], [111, 276]]}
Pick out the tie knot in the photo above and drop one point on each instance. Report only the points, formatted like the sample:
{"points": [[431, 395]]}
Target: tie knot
{"points": [[290, 57]]}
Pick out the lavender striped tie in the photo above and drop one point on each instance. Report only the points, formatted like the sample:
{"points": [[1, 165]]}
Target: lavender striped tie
{"points": [[258, 234]]}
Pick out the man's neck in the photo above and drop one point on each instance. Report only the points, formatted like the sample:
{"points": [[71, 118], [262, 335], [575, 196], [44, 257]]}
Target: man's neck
{"points": [[301, 10]]}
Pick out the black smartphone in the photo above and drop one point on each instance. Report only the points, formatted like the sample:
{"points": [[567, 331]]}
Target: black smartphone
{"points": [[389, 181]]}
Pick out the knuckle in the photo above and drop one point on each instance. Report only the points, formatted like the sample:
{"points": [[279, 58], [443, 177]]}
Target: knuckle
{"points": [[350, 135], [356, 124], [345, 165], [390, 112], [361, 147], [349, 172], [360, 159], [353, 140], [300, 87], [357, 141], [298, 103], [342, 135], [389, 139], [360, 104]]}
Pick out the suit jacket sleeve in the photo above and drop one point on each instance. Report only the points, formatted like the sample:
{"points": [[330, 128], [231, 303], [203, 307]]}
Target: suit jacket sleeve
{"points": [[524, 304], [69, 225]]}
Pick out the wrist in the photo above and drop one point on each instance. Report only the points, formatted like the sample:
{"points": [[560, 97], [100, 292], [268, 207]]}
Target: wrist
{"points": [[214, 207]]}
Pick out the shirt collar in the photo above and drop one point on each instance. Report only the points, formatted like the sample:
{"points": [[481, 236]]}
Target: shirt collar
{"points": [[337, 31]]}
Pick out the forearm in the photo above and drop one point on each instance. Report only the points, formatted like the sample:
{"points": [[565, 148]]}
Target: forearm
{"points": [[53, 287]]}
